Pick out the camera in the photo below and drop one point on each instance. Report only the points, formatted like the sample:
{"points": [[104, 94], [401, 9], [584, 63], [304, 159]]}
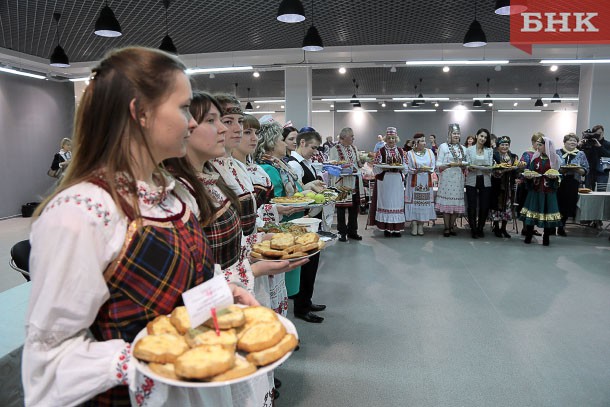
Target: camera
{"points": [[588, 138]]}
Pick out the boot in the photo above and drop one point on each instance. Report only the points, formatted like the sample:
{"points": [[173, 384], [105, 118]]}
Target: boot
{"points": [[546, 239], [529, 232], [414, 228], [496, 229], [561, 231], [503, 230], [420, 228]]}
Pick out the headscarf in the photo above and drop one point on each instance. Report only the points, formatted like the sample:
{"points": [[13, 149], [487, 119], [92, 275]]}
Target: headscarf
{"points": [[549, 149]]}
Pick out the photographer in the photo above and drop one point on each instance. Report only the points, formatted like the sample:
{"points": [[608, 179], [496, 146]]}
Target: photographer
{"points": [[595, 147]]}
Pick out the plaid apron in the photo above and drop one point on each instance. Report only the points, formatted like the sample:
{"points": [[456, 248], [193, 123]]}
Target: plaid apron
{"points": [[161, 258]]}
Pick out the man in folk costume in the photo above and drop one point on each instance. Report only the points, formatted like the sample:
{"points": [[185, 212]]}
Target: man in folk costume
{"points": [[387, 210], [346, 151]]}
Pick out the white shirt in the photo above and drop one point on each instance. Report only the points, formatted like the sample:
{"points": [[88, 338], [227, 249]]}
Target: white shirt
{"points": [[296, 167]]}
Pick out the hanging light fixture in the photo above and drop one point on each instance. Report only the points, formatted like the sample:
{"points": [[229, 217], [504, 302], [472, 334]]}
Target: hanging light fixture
{"points": [[291, 11], [504, 7], [556, 95], [475, 37], [477, 102], [249, 105], [58, 57], [354, 101], [107, 25], [167, 44], [414, 101], [236, 85], [539, 102], [488, 100], [312, 40], [420, 97]]}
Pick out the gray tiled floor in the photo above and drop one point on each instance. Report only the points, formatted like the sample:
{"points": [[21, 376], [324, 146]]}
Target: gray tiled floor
{"points": [[434, 321]]}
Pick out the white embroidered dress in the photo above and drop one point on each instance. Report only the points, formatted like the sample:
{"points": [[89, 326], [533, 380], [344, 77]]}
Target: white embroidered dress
{"points": [[450, 195], [419, 205], [390, 209]]}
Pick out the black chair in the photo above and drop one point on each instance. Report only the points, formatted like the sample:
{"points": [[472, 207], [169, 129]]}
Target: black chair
{"points": [[20, 258]]}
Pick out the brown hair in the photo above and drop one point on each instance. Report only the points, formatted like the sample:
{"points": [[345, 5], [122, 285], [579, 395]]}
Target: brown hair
{"points": [[569, 136], [181, 167], [104, 127], [309, 136], [251, 122], [418, 135], [597, 127]]}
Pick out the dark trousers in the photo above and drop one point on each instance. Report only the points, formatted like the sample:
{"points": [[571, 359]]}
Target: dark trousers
{"points": [[478, 197], [302, 300], [352, 219]]}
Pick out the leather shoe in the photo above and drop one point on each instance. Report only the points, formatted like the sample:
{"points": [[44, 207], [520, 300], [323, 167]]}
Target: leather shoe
{"points": [[354, 236], [317, 307], [309, 317], [342, 238]]}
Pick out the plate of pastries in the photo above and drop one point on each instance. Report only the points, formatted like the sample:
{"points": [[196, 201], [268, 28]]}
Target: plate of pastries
{"points": [[584, 191], [288, 246], [292, 200], [252, 342]]}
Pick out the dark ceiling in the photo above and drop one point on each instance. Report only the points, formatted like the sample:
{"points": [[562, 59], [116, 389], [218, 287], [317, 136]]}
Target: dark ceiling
{"points": [[199, 27]]}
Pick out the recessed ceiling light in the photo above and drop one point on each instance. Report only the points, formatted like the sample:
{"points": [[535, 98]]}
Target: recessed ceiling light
{"points": [[383, 104], [404, 105], [436, 105], [282, 106], [554, 68], [256, 74], [332, 105], [516, 104], [446, 68], [258, 106], [342, 70]]}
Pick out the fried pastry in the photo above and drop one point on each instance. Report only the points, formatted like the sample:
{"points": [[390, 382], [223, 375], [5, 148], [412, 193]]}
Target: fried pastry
{"points": [[161, 325], [164, 369], [241, 368], [270, 355], [261, 336], [281, 241], [230, 317], [203, 335], [180, 320], [203, 362], [307, 238], [164, 348]]}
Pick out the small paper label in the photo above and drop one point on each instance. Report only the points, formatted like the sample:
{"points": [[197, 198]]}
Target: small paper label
{"points": [[200, 300]]}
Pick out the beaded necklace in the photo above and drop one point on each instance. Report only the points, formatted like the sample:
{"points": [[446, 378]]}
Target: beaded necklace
{"points": [[454, 153]]}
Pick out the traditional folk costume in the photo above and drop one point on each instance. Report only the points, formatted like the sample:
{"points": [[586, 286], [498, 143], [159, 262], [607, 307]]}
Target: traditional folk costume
{"points": [[117, 273], [503, 190], [450, 194], [352, 201], [567, 194], [540, 207], [267, 212], [387, 210], [419, 203]]}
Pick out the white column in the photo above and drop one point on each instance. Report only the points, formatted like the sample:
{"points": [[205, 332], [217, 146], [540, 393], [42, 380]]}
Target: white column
{"points": [[297, 84], [593, 92]]}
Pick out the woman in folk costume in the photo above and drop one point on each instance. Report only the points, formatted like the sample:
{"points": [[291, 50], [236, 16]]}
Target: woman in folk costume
{"points": [[346, 151], [450, 165], [526, 157], [540, 207], [130, 245], [478, 182], [419, 205], [576, 166], [503, 186], [387, 211], [223, 228]]}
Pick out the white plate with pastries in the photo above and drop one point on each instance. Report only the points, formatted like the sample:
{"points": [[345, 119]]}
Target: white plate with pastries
{"points": [[252, 360]]}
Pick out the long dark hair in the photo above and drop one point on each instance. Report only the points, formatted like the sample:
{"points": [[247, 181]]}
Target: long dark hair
{"points": [[487, 141], [181, 167]]}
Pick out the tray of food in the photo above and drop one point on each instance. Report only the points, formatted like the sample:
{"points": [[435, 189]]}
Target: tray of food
{"points": [[504, 166], [393, 166], [552, 173], [251, 342], [292, 200], [288, 246], [531, 174], [570, 167], [481, 167], [584, 191]]}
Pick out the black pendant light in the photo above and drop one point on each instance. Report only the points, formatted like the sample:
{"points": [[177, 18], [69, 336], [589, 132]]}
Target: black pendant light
{"points": [[539, 102], [291, 11], [249, 105], [58, 58], [354, 101], [504, 7], [107, 25], [488, 100], [312, 40], [414, 101], [477, 102], [556, 98], [475, 37], [167, 44], [420, 97]]}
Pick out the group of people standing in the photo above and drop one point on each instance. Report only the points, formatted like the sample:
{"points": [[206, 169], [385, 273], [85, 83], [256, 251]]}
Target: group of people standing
{"points": [[485, 183]]}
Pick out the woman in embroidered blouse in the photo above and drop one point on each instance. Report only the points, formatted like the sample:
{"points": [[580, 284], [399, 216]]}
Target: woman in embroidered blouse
{"points": [[540, 207], [387, 210], [503, 187], [576, 166], [450, 194], [118, 214], [269, 153], [478, 182], [419, 204]]}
